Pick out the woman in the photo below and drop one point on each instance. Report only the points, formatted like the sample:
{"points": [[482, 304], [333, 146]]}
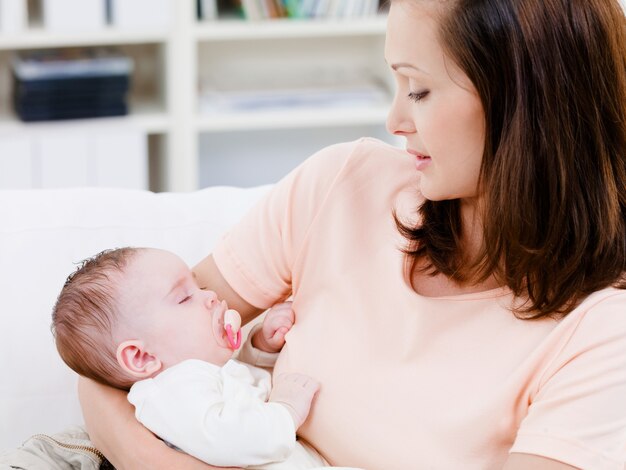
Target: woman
{"points": [[460, 301]]}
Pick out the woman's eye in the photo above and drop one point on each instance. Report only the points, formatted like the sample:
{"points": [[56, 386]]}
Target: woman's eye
{"points": [[184, 300], [418, 96]]}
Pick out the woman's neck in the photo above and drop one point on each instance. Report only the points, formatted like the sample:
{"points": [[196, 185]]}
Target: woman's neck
{"points": [[472, 230], [472, 249]]}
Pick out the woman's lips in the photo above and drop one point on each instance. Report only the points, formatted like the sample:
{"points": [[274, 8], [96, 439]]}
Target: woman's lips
{"points": [[421, 160]]}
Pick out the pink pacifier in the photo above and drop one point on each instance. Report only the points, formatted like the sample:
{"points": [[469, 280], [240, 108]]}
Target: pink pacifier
{"points": [[232, 325]]}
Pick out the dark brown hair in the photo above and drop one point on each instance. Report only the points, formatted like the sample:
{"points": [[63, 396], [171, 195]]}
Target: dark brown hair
{"points": [[551, 75], [84, 315]]}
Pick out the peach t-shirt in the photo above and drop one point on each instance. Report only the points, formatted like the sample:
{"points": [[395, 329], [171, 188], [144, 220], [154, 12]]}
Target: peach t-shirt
{"points": [[414, 382]]}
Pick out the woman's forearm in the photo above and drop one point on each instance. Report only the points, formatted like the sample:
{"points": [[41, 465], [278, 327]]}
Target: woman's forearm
{"points": [[112, 427], [209, 277]]}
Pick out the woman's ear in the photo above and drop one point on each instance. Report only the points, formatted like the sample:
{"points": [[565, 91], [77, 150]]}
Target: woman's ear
{"points": [[136, 361]]}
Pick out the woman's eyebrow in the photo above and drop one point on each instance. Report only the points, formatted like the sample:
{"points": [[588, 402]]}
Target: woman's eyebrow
{"points": [[406, 65]]}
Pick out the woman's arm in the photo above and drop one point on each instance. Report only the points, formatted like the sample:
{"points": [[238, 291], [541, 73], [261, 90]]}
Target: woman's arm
{"points": [[518, 461], [112, 427], [209, 276]]}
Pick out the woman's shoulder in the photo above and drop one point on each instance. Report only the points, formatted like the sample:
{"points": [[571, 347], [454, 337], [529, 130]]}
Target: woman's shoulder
{"points": [[602, 315], [367, 163], [605, 301], [365, 168]]}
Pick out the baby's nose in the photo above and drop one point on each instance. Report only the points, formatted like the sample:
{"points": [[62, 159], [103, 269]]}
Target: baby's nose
{"points": [[211, 298]]}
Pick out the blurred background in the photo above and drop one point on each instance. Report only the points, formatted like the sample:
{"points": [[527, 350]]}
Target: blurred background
{"points": [[176, 95]]}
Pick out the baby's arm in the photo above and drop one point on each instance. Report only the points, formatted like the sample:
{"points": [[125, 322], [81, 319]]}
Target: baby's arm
{"points": [[267, 339], [126, 443], [295, 391]]}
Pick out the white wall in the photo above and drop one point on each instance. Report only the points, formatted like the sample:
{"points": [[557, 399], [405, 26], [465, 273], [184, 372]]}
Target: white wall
{"points": [[226, 158]]}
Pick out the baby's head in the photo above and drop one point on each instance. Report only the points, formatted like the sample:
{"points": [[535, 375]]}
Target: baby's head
{"points": [[130, 313]]}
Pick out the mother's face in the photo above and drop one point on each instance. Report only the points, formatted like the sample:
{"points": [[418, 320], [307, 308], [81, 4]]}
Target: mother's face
{"points": [[436, 107]]}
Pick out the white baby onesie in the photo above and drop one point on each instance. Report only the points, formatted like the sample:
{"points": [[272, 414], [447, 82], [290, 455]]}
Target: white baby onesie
{"points": [[221, 416]]}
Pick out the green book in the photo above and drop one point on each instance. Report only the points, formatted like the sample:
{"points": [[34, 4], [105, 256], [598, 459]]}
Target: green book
{"points": [[292, 7]]}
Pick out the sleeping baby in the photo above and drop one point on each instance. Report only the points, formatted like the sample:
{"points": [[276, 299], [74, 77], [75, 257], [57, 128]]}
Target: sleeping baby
{"points": [[135, 318]]}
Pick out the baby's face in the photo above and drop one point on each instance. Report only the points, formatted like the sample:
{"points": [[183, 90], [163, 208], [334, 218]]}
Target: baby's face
{"points": [[162, 305]]}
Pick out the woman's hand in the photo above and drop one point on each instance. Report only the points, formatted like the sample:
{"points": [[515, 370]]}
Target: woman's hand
{"points": [[277, 322], [112, 427]]}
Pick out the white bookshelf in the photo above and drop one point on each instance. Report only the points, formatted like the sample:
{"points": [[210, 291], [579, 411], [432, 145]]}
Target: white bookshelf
{"points": [[145, 116], [232, 30], [300, 119], [174, 62], [38, 38]]}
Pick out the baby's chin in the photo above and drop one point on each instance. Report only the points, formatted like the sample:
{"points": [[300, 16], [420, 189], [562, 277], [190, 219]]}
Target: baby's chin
{"points": [[217, 356], [220, 357]]}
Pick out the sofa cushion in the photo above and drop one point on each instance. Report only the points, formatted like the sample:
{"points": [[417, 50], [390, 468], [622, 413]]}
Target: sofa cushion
{"points": [[43, 235]]}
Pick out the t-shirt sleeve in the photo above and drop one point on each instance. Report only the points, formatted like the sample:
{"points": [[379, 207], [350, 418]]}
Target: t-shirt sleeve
{"points": [[578, 415], [257, 256]]}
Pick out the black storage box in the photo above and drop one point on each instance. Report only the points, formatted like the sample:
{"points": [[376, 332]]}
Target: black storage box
{"points": [[71, 84]]}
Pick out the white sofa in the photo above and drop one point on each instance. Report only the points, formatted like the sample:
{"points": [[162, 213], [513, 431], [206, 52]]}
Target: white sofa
{"points": [[43, 233]]}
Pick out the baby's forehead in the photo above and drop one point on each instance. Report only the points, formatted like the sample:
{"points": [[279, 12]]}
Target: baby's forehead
{"points": [[153, 258], [157, 269]]}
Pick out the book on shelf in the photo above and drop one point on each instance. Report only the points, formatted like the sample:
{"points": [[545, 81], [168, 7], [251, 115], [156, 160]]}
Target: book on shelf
{"points": [[71, 63], [291, 93], [302, 98], [255, 10]]}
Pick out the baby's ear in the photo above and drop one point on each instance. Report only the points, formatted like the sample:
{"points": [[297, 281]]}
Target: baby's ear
{"points": [[133, 358]]}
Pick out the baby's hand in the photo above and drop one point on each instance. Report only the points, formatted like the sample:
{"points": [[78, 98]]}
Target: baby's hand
{"points": [[277, 322], [295, 391]]}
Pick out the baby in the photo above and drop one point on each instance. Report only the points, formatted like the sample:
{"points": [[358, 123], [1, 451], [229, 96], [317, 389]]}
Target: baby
{"points": [[135, 318]]}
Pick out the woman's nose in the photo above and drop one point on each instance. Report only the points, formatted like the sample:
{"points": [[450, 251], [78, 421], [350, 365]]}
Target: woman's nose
{"points": [[399, 120]]}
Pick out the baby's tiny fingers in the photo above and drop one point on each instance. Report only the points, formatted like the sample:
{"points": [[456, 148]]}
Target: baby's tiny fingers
{"points": [[311, 385], [280, 333], [283, 322]]}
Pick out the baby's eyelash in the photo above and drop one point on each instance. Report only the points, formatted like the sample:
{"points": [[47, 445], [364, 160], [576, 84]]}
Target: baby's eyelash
{"points": [[419, 96], [185, 300]]}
